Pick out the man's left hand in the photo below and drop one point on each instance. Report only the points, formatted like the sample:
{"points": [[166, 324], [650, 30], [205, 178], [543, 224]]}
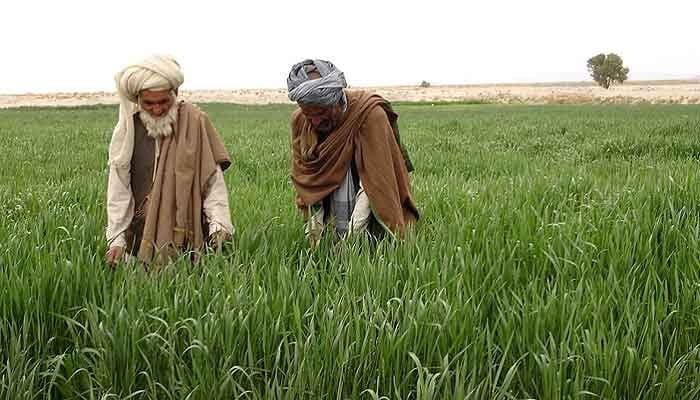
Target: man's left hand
{"points": [[217, 240]]}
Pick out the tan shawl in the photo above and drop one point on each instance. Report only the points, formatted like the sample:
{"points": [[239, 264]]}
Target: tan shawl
{"points": [[368, 134], [188, 158]]}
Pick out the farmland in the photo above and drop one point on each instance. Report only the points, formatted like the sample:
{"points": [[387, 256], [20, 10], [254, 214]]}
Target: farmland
{"points": [[557, 257]]}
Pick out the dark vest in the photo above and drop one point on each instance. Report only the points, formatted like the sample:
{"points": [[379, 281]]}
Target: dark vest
{"points": [[142, 166]]}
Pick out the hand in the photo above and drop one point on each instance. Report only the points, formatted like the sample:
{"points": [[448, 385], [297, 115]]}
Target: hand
{"points": [[217, 240], [114, 255], [314, 239]]}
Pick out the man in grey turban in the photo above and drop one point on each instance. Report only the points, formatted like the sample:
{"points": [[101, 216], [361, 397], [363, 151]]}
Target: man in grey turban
{"points": [[348, 164], [166, 190]]}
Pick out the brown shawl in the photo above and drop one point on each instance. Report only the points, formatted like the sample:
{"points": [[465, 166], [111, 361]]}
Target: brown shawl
{"points": [[368, 134], [188, 158]]}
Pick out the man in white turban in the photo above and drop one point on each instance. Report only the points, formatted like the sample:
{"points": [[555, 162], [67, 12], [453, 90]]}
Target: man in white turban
{"points": [[166, 191]]}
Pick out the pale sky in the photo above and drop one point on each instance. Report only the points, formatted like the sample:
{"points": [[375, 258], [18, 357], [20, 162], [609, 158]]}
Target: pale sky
{"points": [[75, 46]]}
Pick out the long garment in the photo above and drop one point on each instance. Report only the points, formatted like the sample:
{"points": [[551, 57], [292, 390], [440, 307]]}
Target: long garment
{"points": [[347, 209], [174, 192], [368, 139]]}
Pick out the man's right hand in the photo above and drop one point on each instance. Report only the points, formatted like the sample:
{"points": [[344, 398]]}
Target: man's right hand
{"points": [[114, 255]]}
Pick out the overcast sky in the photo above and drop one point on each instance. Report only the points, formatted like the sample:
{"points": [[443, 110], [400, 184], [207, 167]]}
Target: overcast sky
{"points": [[50, 46]]}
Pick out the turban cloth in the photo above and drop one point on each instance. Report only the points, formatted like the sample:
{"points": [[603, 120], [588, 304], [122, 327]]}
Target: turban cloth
{"points": [[325, 91]]}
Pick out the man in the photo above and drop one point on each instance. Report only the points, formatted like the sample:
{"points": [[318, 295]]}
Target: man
{"points": [[166, 191], [348, 165]]}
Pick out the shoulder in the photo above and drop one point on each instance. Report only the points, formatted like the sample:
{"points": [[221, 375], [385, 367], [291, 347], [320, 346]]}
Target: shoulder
{"points": [[356, 97], [370, 105], [376, 115], [192, 111]]}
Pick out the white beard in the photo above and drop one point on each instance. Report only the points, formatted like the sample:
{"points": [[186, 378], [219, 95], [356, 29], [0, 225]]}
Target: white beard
{"points": [[161, 126]]}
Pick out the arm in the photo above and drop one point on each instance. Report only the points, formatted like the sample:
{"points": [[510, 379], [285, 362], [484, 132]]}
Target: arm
{"points": [[120, 212], [120, 206], [379, 163], [360, 214], [215, 204]]}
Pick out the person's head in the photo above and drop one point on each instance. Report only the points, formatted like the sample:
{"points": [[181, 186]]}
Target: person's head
{"points": [[152, 84], [324, 119], [317, 87]]}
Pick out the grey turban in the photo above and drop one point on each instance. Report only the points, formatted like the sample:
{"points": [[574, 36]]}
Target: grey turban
{"points": [[325, 91]]}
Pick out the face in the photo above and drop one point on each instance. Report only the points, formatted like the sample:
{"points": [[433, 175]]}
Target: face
{"points": [[156, 102], [323, 119]]}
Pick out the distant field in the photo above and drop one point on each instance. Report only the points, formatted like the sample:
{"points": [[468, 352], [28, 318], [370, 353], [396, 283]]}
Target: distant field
{"points": [[558, 257], [632, 92]]}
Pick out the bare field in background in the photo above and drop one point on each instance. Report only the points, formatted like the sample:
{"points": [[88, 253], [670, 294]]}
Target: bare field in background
{"points": [[634, 92]]}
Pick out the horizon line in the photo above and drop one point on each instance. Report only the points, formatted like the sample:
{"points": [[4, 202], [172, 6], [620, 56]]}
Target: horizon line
{"points": [[578, 83]]}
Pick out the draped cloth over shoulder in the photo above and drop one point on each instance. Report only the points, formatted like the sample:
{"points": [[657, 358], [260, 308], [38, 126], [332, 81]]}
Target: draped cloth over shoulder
{"points": [[368, 134], [188, 158], [154, 73]]}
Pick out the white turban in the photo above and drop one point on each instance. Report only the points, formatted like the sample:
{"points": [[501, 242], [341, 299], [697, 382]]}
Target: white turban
{"points": [[154, 73]]}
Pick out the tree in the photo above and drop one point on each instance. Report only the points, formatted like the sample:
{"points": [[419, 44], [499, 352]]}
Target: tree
{"points": [[607, 70]]}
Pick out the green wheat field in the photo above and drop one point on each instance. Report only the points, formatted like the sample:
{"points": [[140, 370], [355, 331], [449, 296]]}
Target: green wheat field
{"points": [[558, 257]]}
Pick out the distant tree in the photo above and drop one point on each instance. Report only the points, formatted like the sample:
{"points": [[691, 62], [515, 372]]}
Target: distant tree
{"points": [[425, 84], [607, 70]]}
